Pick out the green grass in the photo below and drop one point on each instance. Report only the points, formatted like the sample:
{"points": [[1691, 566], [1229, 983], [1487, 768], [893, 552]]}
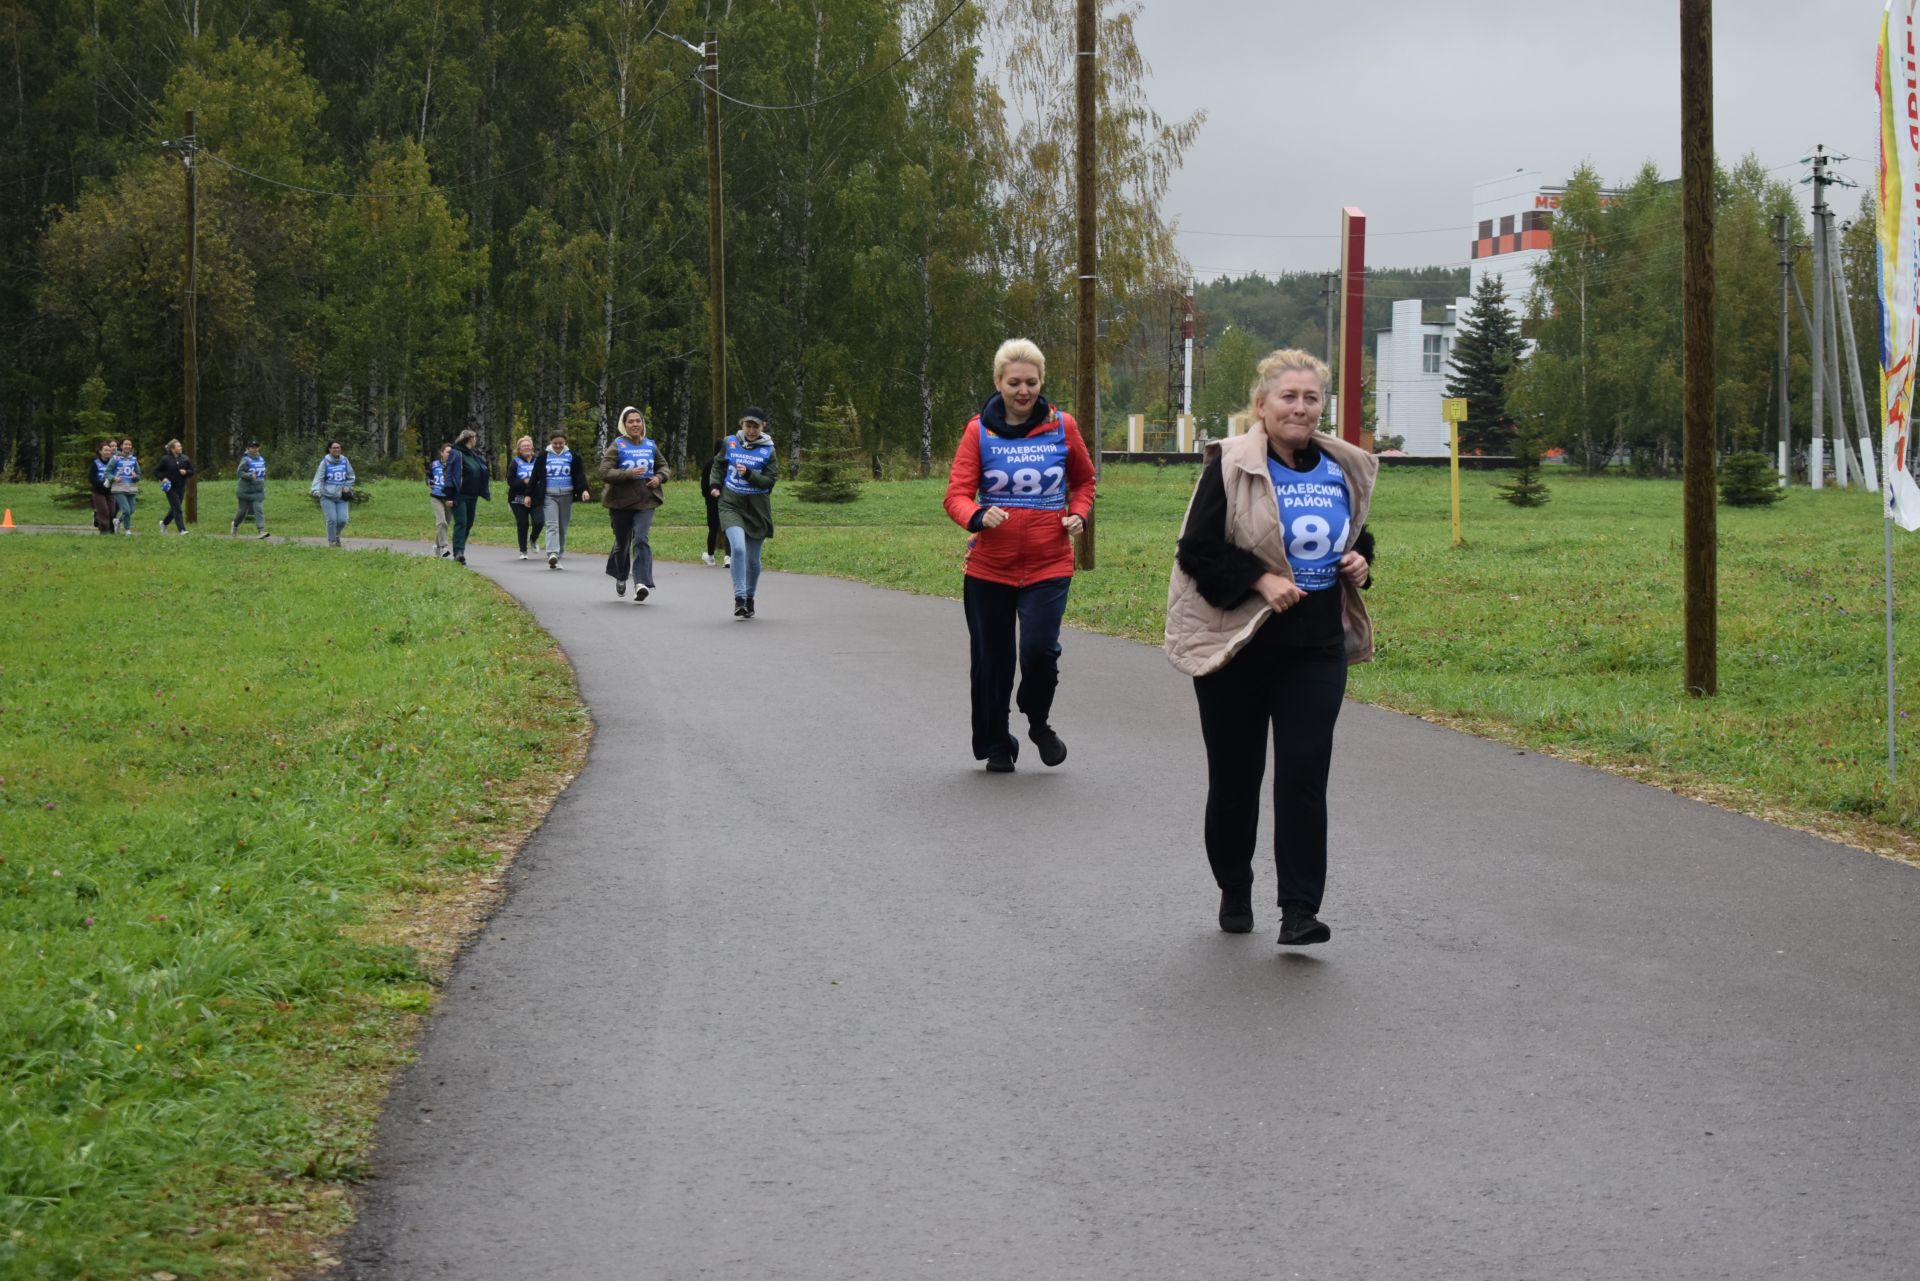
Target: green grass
{"points": [[233, 777], [1558, 628]]}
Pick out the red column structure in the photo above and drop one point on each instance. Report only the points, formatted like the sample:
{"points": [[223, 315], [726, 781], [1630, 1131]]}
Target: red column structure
{"points": [[1353, 306]]}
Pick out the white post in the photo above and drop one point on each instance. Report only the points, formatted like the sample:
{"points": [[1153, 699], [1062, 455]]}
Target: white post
{"points": [[1183, 440]]}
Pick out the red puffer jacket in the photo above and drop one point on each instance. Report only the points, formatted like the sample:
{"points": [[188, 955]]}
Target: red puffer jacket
{"points": [[1030, 546]]}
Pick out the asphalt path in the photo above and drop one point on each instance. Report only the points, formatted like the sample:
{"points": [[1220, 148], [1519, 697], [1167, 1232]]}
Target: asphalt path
{"points": [[788, 987]]}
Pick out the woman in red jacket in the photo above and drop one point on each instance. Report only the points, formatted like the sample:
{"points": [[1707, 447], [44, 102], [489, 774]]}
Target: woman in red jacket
{"points": [[1022, 485]]}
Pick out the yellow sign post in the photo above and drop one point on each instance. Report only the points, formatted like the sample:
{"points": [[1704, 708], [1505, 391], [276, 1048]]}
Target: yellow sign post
{"points": [[1453, 411]]}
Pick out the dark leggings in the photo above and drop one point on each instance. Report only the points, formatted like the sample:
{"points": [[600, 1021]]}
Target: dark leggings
{"points": [[529, 521], [714, 536], [1298, 693], [463, 508], [175, 516], [992, 610]]}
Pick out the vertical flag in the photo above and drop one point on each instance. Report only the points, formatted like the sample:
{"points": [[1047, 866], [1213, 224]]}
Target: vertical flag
{"points": [[1897, 78]]}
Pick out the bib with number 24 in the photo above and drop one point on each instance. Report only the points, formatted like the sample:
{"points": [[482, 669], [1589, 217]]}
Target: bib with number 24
{"points": [[1316, 514], [1027, 471]]}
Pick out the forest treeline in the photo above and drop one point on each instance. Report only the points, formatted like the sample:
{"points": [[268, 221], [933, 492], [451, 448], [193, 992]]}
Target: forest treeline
{"points": [[420, 215]]}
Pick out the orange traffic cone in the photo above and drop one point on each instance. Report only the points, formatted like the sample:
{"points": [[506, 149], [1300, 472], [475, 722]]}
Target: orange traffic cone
{"points": [[7, 521]]}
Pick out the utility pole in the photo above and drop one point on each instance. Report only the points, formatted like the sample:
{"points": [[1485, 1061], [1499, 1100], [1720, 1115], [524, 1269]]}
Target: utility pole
{"points": [[1783, 444], [1817, 447], [1329, 290], [1850, 351], [190, 379], [1836, 386], [1085, 98], [1697, 302], [716, 238]]}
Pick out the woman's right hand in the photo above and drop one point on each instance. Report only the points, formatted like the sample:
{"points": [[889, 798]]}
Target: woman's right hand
{"points": [[993, 518], [1279, 592], [713, 493]]}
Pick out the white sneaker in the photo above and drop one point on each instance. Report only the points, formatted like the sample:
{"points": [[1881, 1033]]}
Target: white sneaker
{"points": [[264, 534], [523, 555], [729, 562], [553, 562], [640, 593], [706, 558]]}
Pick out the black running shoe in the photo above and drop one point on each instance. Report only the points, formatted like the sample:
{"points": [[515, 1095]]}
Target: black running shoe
{"points": [[1236, 910], [739, 606], [1052, 750], [1300, 927], [1000, 763]]}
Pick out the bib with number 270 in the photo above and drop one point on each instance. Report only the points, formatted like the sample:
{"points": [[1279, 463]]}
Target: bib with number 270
{"points": [[1316, 514], [1027, 471]]}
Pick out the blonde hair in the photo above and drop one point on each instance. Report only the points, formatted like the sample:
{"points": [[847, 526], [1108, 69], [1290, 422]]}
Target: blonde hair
{"points": [[1018, 351], [1287, 360], [524, 440]]}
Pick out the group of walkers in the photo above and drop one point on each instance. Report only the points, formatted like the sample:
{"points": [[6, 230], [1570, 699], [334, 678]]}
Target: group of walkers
{"points": [[1264, 610]]}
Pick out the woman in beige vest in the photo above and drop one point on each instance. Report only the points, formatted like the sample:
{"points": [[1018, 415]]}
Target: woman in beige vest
{"points": [[1264, 612]]}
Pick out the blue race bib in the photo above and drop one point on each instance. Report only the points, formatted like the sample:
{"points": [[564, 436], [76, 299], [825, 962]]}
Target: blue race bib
{"points": [[256, 468], [641, 455], [1030, 471], [560, 466], [437, 479], [523, 469], [755, 457], [125, 469], [1316, 514], [101, 471], [335, 473]]}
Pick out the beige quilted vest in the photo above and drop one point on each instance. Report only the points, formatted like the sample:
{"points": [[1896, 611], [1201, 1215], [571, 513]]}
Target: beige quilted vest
{"points": [[1202, 639]]}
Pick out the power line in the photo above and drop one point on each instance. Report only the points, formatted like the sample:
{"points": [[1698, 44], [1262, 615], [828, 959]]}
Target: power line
{"points": [[905, 54]]}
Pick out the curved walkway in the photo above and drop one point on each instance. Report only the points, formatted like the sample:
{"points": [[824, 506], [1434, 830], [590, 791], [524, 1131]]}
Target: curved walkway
{"points": [[787, 987]]}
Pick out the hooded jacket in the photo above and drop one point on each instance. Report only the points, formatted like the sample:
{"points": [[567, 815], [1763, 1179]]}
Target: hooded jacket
{"points": [[1031, 545], [629, 493], [247, 485], [751, 513], [322, 488], [1203, 637]]}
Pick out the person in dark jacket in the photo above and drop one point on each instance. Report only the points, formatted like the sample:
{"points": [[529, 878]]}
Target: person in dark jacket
{"points": [[715, 539], [173, 470], [741, 477], [1022, 484], [250, 491], [1264, 612], [100, 488], [566, 485], [527, 493], [466, 483], [631, 473]]}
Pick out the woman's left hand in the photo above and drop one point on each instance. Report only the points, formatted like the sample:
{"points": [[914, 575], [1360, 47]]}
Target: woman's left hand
{"points": [[1072, 524], [1354, 568]]}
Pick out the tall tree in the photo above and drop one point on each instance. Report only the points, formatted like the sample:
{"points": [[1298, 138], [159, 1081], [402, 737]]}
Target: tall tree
{"points": [[1485, 351]]}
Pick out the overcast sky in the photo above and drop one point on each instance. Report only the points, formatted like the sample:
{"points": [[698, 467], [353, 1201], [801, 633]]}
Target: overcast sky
{"points": [[1400, 106]]}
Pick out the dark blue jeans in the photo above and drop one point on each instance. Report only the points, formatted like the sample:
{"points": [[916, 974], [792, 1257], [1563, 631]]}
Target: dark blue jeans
{"points": [[463, 512], [993, 610]]}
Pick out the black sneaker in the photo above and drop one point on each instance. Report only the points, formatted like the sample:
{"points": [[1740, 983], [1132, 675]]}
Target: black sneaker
{"points": [[739, 606], [1236, 910], [619, 587], [1000, 763], [1052, 750], [749, 607], [1300, 927]]}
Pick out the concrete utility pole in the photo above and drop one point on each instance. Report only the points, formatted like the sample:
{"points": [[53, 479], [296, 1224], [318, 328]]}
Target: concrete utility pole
{"points": [[716, 237], [1836, 386], [1783, 443], [1084, 390], [1817, 446], [190, 379], [1696, 289], [1850, 350]]}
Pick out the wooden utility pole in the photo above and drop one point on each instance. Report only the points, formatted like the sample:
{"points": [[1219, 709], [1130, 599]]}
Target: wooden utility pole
{"points": [[716, 238], [1696, 291], [190, 371], [1085, 392]]}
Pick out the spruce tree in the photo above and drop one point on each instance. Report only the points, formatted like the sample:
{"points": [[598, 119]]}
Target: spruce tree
{"points": [[1484, 354], [1749, 480], [1525, 488], [830, 471]]}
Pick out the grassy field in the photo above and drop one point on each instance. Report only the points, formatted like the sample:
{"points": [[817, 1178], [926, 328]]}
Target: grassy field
{"points": [[1557, 628], [249, 798]]}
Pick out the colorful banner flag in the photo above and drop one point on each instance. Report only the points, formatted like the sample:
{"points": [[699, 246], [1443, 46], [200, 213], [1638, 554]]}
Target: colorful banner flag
{"points": [[1897, 80]]}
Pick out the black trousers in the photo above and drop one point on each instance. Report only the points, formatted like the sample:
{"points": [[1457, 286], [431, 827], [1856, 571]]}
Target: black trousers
{"points": [[527, 519], [1297, 693], [992, 610], [714, 538], [174, 515]]}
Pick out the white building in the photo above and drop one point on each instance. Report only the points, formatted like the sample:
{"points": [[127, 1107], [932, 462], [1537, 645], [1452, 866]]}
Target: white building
{"points": [[1513, 230]]}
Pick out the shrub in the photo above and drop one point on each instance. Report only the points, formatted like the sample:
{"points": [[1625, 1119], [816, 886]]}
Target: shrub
{"points": [[1749, 480]]}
